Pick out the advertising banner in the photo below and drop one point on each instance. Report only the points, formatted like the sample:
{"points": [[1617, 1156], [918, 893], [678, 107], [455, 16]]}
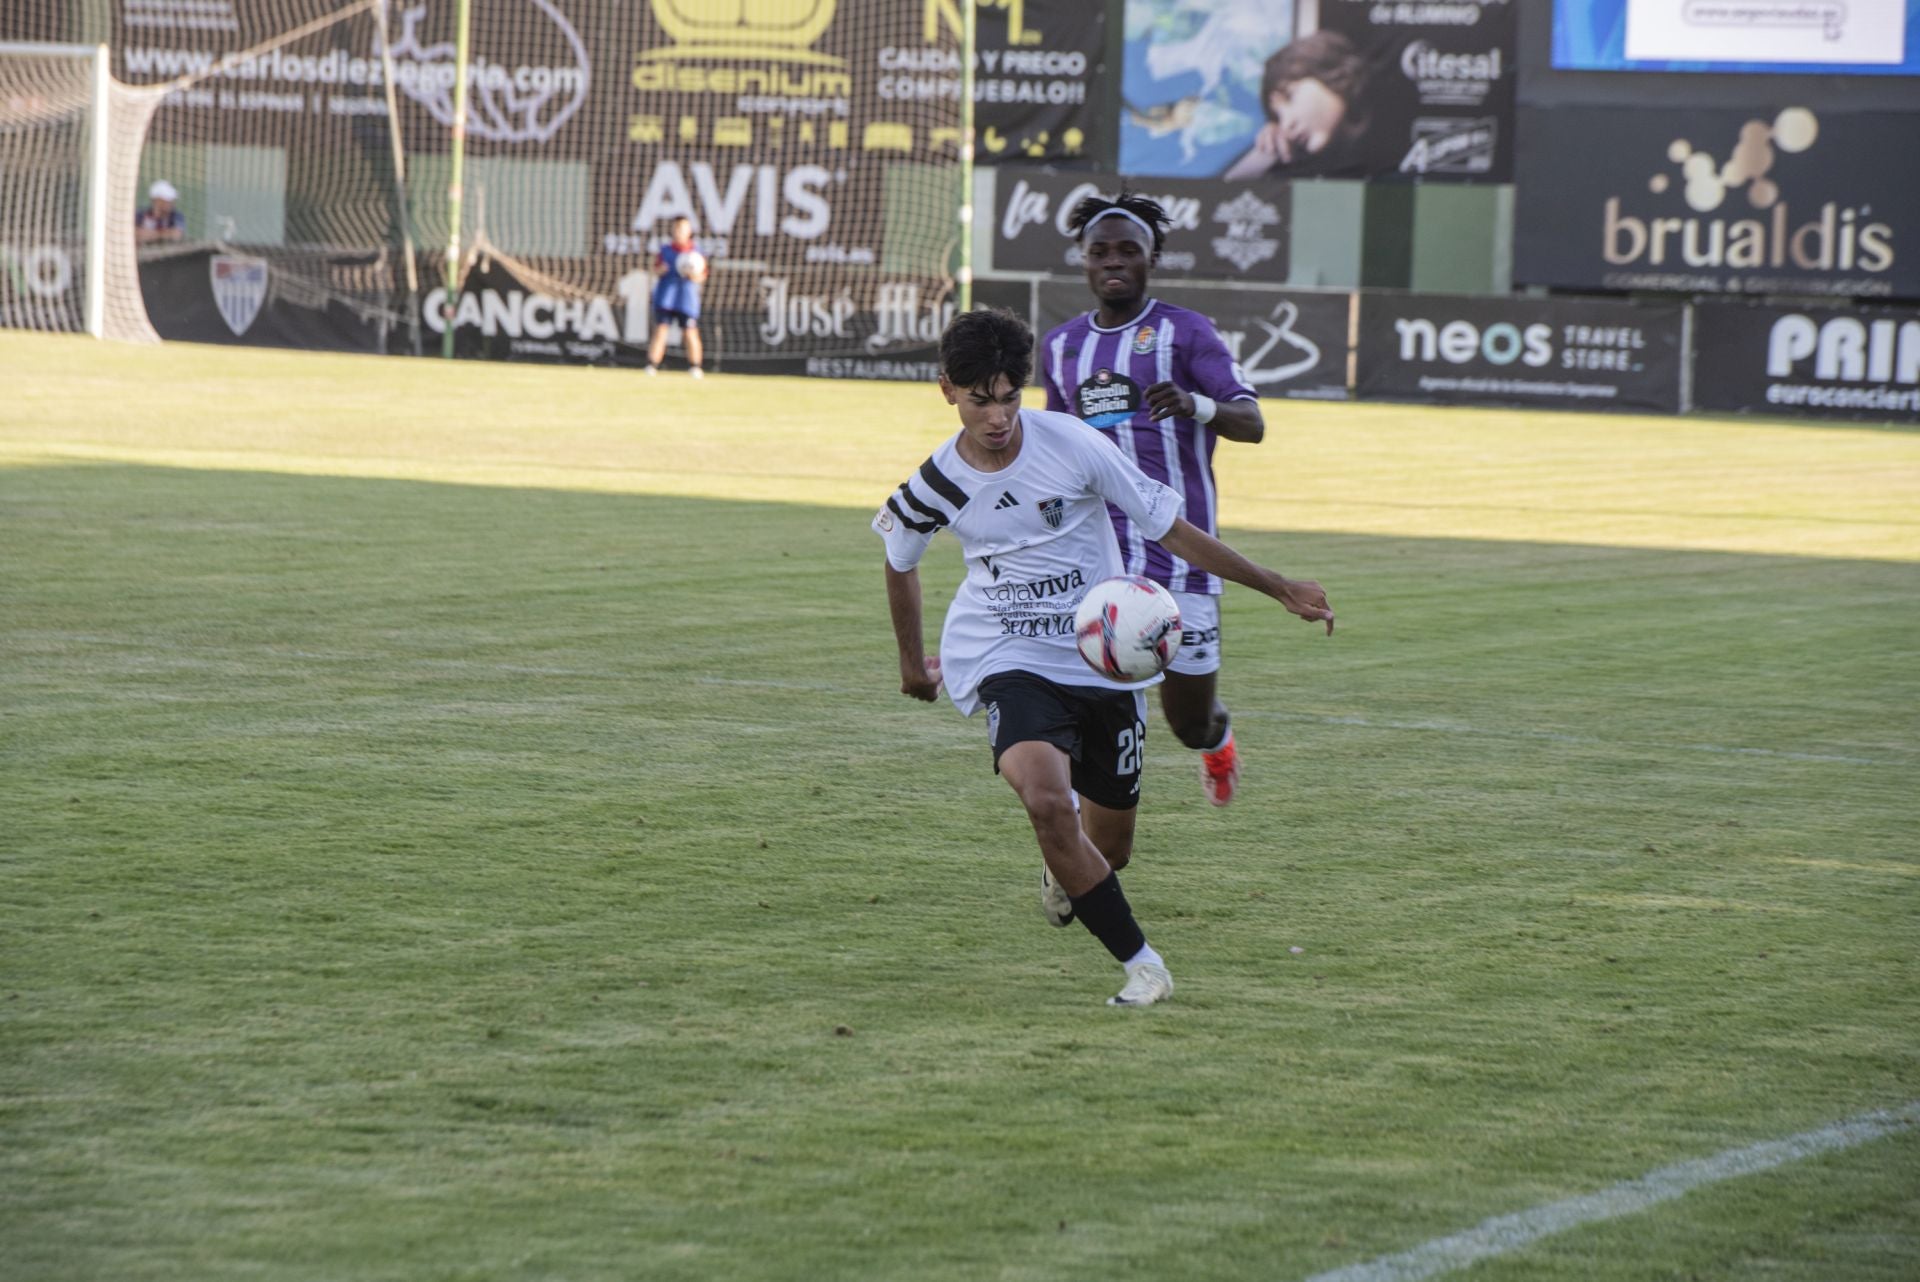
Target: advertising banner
{"points": [[1225, 89], [1777, 200], [1808, 362], [1438, 87], [207, 294], [1036, 69], [1221, 231], [814, 143], [42, 285], [751, 321], [1190, 82], [1289, 343], [501, 317], [826, 324], [542, 65], [1553, 353], [538, 68], [773, 133], [1825, 37]]}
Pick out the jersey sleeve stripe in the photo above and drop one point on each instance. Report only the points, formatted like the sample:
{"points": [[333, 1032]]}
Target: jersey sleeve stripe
{"points": [[918, 527], [931, 513], [938, 482]]}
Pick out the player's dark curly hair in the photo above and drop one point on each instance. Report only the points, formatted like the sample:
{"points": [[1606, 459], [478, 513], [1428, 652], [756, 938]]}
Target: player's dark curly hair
{"points": [[980, 345], [1145, 208]]}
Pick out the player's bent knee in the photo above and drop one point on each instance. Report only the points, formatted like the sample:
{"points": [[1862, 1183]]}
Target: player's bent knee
{"points": [[1049, 807]]}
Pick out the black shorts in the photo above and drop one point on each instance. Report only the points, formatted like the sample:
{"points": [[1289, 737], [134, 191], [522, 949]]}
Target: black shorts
{"points": [[667, 316], [1104, 731]]}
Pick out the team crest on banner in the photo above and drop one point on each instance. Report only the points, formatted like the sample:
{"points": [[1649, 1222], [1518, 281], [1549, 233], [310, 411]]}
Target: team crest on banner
{"points": [[1051, 511], [239, 289]]}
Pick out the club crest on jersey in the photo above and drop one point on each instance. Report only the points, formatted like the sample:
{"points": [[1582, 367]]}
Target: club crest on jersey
{"points": [[1144, 339], [1052, 511]]}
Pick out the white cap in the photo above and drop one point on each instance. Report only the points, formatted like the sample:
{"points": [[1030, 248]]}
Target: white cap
{"points": [[162, 190]]}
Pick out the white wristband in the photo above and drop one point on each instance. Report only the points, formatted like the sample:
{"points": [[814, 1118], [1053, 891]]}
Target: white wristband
{"points": [[1203, 409]]}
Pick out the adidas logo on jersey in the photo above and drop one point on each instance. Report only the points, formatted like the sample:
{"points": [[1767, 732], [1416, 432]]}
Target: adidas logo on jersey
{"points": [[1006, 501]]}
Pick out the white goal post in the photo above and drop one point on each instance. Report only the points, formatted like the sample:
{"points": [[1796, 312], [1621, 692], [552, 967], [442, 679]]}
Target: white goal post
{"points": [[70, 142]]}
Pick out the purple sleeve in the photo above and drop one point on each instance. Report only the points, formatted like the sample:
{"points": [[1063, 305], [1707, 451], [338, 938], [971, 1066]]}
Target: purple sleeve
{"points": [[1212, 369], [1056, 399]]}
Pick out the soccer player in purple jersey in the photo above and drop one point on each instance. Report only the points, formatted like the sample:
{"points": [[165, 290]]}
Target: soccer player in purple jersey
{"points": [[1156, 380]]}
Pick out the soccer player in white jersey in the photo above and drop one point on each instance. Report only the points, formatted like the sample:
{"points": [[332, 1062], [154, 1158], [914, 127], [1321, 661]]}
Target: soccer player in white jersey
{"points": [[1026, 492], [1158, 382]]}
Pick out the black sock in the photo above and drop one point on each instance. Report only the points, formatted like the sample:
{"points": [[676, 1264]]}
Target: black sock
{"points": [[1104, 911]]}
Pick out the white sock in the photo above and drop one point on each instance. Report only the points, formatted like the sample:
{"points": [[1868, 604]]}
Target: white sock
{"points": [[1225, 739], [1145, 955]]}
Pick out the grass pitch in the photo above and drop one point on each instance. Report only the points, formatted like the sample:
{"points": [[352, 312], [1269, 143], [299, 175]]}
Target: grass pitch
{"points": [[457, 823]]}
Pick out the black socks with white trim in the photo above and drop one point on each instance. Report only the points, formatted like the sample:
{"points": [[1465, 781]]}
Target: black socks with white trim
{"points": [[1104, 911]]}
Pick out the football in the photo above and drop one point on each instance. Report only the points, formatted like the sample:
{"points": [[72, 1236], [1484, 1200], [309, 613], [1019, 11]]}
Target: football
{"points": [[1128, 628], [692, 264]]}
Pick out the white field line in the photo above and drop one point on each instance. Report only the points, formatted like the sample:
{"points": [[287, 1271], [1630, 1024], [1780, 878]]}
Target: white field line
{"points": [[1371, 723], [1507, 1233]]}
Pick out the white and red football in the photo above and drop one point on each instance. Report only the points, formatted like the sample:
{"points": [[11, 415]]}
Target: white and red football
{"points": [[1128, 628]]}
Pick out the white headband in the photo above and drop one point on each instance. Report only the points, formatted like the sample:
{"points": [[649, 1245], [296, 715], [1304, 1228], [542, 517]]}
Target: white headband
{"points": [[1115, 211]]}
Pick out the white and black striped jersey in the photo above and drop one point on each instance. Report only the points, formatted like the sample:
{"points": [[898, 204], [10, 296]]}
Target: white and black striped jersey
{"points": [[1035, 535]]}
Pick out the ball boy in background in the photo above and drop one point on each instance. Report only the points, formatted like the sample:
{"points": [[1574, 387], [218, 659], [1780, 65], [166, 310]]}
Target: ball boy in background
{"points": [[676, 296]]}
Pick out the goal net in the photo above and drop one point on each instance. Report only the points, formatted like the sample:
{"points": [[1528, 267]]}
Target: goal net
{"points": [[814, 144], [62, 178], [277, 205]]}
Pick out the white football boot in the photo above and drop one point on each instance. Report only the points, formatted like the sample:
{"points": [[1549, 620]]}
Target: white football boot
{"points": [[1147, 983], [1054, 904]]}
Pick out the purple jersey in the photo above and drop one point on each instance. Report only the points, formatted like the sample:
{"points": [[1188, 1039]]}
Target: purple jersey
{"points": [[1101, 375]]}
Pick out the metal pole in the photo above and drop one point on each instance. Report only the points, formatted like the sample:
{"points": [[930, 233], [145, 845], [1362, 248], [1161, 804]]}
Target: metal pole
{"points": [[454, 193], [97, 221], [382, 12], [967, 41]]}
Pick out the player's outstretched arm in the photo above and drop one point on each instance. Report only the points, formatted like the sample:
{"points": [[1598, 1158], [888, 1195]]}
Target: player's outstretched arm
{"points": [[1303, 597], [919, 675], [1235, 420]]}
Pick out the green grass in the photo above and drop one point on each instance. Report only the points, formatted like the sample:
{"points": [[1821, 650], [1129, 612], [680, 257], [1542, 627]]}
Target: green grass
{"points": [[457, 823]]}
